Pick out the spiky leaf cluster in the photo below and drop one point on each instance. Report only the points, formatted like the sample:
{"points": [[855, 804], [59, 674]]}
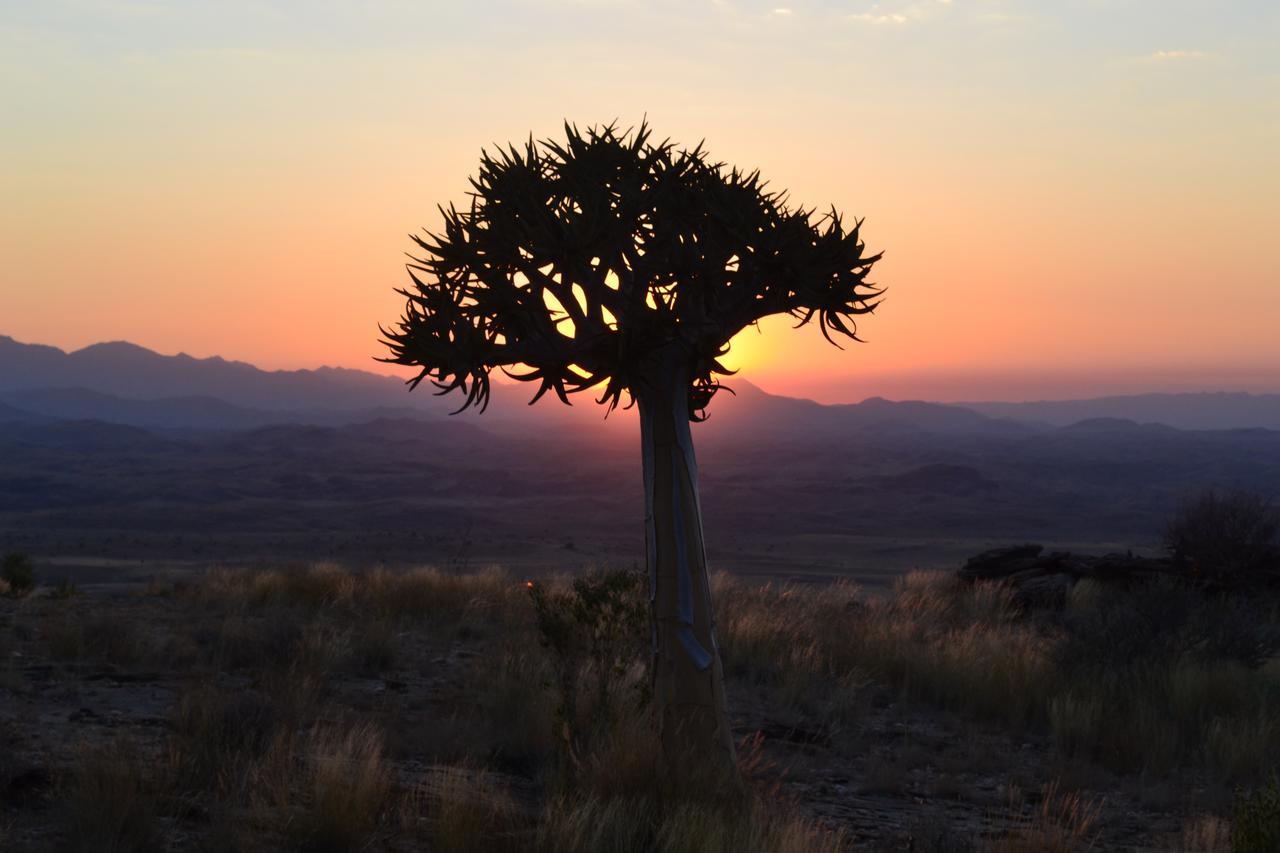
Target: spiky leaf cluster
{"points": [[589, 262]]}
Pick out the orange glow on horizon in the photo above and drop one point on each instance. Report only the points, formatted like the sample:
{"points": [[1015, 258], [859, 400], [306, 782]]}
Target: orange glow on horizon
{"points": [[1047, 208]]}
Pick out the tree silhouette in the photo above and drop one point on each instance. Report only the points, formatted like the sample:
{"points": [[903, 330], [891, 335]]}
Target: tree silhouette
{"points": [[610, 261]]}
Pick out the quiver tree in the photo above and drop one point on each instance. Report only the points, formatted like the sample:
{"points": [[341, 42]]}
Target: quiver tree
{"points": [[608, 261]]}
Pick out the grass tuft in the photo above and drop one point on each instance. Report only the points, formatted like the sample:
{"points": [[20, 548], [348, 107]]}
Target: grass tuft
{"points": [[111, 800], [350, 790]]}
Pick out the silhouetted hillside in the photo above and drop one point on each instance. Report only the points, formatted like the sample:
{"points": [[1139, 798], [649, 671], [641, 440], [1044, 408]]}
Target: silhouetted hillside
{"points": [[751, 413], [124, 383], [126, 370], [128, 384], [80, 437], [9, 414], [1217, 410], [938, 478], [196, 413]]}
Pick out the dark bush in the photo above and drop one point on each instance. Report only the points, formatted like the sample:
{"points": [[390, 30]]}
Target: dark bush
{"points": [[1129, 629], [18, 572], [1233, 628], [1161, 621], [597, 632], [65, 589], [1256, 820], [1225, 536]]}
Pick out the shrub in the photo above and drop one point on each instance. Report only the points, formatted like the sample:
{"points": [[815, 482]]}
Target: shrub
{"points": [[1129, 630], [18, 573], [1164, 674], [1162, 621], [596, 631], [1256, 820], [1225, 536]]}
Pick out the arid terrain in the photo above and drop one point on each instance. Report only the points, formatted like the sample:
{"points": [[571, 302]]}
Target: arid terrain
{"points": [[229, 642], [116, 453], [316, 709]]}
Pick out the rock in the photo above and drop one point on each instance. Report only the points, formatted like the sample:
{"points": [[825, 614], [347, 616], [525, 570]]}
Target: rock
{"points": [[1001, 562], [1043, 580], [27, 787], [1047, 591]]}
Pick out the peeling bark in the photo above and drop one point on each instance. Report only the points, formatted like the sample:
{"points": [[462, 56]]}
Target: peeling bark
{"points": [[688, 680]]}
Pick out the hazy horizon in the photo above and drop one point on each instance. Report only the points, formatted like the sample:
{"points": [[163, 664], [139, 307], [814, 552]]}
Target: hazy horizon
{"points": [[934, 387]]}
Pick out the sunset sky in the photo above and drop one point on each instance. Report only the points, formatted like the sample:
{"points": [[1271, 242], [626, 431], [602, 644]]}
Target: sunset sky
{"points": [[1074, 198]]}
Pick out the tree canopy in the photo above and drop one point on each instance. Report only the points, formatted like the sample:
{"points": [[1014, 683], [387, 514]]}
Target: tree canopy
{"points": [[587, 262]]}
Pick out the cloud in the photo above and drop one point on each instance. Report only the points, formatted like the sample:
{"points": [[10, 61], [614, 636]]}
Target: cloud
{"points": [[1176, 55], [899, 14]]}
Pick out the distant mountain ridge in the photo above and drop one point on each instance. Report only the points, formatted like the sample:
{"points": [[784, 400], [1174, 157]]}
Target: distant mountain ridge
{"points": [[124, 383], [12, 414], [750, 412], [209, 413], [121, 382], [1208, 410], [129, 371]]}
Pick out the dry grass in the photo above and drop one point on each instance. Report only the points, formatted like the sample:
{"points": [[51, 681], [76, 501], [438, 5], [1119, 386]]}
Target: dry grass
{"points": [[111, 800], [375, 646], [593, 824], [462, 808], [6, 650], [1155, 679], [251, 752], [262, 748], [1203, 834], [10, 764], [424, 594], [348, 790], [959, 647], [1102, 687], [1058, 822], [514, 719], [76, 635], [217, 737]]}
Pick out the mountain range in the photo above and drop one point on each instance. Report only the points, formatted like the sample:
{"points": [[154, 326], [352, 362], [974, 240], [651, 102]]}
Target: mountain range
{"points": [[1196, 411], [120, 382], [116, 451]]}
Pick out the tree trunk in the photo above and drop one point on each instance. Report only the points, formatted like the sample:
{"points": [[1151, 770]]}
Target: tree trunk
{"points": [[688, 680]]}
